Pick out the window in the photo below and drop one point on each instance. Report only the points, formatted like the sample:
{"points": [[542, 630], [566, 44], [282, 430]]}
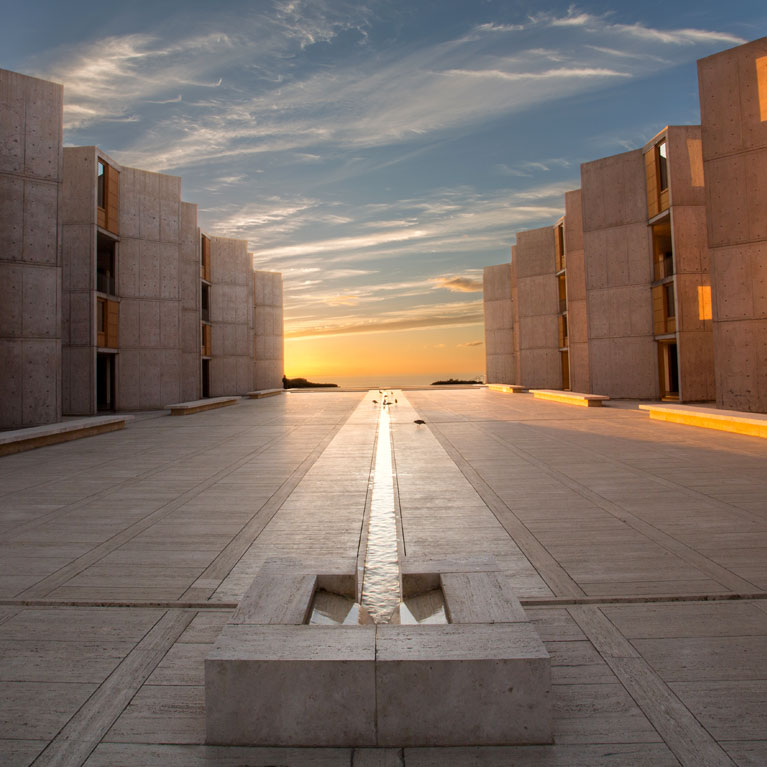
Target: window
{"points": [[663, 256], [662, 166], [105, 265], [101, 186]]}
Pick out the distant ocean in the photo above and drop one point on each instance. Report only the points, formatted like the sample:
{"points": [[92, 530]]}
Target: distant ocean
{"points": [[392, 381]]}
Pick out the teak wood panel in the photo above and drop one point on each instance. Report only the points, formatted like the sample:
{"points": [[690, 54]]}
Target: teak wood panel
{"points": [[205, 259], [206, 346], [108, 216]]}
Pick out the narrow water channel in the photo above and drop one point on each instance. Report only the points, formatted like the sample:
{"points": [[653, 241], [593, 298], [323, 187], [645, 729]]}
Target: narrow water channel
{"points": [[381, 593]]}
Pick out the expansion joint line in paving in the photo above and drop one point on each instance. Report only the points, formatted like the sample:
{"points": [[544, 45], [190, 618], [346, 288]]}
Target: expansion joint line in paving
{"points": [[717, 572]]}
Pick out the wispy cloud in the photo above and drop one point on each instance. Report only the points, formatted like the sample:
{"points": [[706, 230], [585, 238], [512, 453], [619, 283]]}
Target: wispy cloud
{"points": [[460, 284]]}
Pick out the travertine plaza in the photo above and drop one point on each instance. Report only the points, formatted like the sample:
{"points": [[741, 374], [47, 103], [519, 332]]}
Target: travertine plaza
{"points": [[637, 549], [570, 586]]}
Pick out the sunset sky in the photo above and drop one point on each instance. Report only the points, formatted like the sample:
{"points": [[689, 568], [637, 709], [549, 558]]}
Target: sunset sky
{"points": [[377, 153]]}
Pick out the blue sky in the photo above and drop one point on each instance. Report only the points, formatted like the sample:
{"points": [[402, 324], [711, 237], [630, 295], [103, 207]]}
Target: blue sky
{"points": [[379, 154]]}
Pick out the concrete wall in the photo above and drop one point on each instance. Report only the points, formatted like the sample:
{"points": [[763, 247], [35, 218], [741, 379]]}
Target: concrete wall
{"points": [[616, 241], [269, 348], [577, 316], [78, 215], [189, 266], [231, 317], [733, 100], [691, 263], [499, 345], [30, 253], [149, 364], [537, 310]]}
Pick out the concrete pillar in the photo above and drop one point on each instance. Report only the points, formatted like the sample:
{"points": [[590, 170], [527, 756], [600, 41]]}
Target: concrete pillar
{"points": [[622, 353], [536, 307], [499, 344], [268, 353], [30, 251]]}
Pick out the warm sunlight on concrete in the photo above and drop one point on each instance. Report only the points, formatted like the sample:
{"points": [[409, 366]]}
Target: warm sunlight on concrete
{"points": [[704, 302], [761, 84]]}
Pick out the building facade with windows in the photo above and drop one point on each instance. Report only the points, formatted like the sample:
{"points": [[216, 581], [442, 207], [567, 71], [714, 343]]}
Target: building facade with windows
{"points": [[111, 298]]}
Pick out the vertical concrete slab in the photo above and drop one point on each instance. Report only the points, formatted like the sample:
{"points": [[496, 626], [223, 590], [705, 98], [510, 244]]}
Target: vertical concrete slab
{"points": [[537, 306], [30, 250], [268, 333], [499, 324], [618, 272], [733, 98], [577, 315], [231, 305]]}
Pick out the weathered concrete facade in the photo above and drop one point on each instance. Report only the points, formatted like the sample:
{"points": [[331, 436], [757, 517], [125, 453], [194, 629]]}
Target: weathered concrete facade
{"points": [[733, 102], [231, 317], [537, 310], [30, 253], [622, 354], [498, 310], [268, 341], [679, 254], [577, 316]]}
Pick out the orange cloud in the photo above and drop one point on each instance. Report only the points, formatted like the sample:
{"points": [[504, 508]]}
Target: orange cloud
{"points": [[460, 284]]}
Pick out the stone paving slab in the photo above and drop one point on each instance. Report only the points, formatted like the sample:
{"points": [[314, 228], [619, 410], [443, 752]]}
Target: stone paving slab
{"points": [[568, 493]]}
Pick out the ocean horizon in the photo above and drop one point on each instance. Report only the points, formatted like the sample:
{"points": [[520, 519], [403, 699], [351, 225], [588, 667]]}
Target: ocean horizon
{"points": [[391, 381]]}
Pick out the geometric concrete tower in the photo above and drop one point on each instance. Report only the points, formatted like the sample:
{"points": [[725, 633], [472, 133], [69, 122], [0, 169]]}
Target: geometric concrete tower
{"points": [[268, 353], [126, 234], [623, 358], [538, 325], [228, 369], [574, 274], [733, 103], [30, 252], [496, 300], [681, 288]]}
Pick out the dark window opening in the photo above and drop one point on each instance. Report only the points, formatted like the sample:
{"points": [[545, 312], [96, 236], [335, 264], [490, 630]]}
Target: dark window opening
{"points": [[206, 378], [101, 185], [105, 265], [205, 303], [662, 166], [105, 382]]}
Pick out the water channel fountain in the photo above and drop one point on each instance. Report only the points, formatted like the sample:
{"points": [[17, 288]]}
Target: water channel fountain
{"points": [[404, 655]]}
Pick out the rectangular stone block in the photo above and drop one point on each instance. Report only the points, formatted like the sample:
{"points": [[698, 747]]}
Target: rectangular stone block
{"points": [[462, 684], [292, 685]]}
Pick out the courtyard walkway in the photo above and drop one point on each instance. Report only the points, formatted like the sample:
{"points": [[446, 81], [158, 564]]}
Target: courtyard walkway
{"points": [[639, 549]]}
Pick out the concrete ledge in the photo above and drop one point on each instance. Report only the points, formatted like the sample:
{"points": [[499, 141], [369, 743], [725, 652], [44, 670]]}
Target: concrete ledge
{"points": [[19, 440], [734, 421], [198, 405], [261, 393], [508, 388], [570, 397]]}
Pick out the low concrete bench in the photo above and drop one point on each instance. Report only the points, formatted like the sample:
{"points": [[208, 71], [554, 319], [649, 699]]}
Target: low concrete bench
{"points": [[264, 393], [735, 421], [570, 397], [198, 405], [19, 440], [508, 388]]}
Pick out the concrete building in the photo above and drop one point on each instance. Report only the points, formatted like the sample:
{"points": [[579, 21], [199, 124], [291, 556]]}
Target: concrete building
{"points": [[124, 240], [573, 270], [268, 340], [499, 349], [615, 297], [227, 364], [30, 253], [681, 288], [733, 104], [110, 297], [537, 310]]}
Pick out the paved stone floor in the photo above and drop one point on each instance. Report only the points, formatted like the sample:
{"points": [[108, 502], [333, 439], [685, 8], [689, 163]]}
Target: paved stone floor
{"points": [[122, 555]]}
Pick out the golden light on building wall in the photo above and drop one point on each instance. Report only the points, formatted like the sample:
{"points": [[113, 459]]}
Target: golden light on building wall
{"points": [[761, 84], [704, 302]]}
